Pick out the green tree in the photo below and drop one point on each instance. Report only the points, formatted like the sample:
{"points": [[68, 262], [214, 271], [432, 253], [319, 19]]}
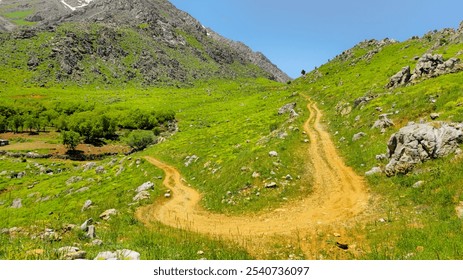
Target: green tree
{"points": [[140, 139], [70, 139], [17, 122], [32, 122], [3, 124]]}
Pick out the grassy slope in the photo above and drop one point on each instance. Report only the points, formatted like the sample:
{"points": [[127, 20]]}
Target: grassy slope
{"points": [[221, 122], [422, 223]]}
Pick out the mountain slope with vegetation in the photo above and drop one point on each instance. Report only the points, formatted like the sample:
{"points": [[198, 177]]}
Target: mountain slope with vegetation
{"points": [[364, 106], [225, 122], [143, 42]]}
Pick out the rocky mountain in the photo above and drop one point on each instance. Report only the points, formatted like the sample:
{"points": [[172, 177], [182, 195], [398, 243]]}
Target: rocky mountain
{"points": [[140, 41]]}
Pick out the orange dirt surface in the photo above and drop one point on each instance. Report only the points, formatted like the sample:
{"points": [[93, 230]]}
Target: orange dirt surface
{"points": [[336, 204]]}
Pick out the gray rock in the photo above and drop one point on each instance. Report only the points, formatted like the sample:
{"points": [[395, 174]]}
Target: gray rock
{"points": [[17, 203], [143, 195], [271, 185], [293, 114], [50, 235], [381, 157], [286, 108], [418, 184], [273, 154], [191, 159], [74, 179], [107, 255], [400, 78], [84, 226], [126, 254], [86, 205], [83, 189], [21, 174], [107, 214], [100, 170], [416, 143], [97, 242], [91, 232], [358, 136], [145, 187], [119, 171], [434, 116], [88, 166], [383, 122], [373, 171], [71, 253]]}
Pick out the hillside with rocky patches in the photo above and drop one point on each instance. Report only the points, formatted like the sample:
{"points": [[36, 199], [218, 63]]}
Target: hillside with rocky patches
{"points": [[395, 111], [142, 42]]}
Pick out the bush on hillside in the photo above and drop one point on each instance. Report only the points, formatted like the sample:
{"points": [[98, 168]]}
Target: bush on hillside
{"points": [[140, 139]]}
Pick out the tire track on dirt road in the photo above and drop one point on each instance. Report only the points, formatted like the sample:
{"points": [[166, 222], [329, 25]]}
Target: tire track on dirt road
{"points": [[339, 194]]}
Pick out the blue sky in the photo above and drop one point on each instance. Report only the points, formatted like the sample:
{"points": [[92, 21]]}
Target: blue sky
{"points": [[298, 34]]}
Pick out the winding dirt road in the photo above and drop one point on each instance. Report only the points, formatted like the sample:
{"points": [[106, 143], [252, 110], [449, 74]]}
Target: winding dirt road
{"points": [[339, 195]]}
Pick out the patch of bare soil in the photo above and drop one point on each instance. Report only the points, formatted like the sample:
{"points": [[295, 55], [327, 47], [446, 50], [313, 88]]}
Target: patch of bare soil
{"points": [[38, 142]]}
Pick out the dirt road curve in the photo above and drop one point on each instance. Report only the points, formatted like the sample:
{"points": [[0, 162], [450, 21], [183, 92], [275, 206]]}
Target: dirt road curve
{"points": [[339, 195]]}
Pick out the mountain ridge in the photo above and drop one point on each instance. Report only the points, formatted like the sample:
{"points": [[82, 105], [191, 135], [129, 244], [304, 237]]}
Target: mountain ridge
{"points": [[171, 30]]}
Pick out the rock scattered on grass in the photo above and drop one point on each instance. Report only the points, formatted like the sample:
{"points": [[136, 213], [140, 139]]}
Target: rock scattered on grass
{"points": [[100, 170], [143, 195], [91, 232], [106, 215], [86, 205], [17, 203], [145, 187], [71, 253], [271, 185], [84, 226], [88, 166], [373, 171], [273, 154], [358, 136], [74, 179], [123, 254], [418, 184], [191, 159]]}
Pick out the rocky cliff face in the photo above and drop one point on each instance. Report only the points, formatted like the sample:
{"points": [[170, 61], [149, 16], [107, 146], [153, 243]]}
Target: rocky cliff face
{"points": [[179, 40]]}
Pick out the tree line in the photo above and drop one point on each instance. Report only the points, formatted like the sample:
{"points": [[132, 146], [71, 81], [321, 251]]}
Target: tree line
{"points": [[82, 121]]}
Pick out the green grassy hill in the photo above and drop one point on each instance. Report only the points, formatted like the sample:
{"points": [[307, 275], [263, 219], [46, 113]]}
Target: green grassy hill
{"points": [[226, 109], [417, 222]]}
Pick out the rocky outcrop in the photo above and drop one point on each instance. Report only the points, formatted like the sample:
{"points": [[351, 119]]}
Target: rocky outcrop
{"points": [[417, 143], [434, 65], [400, 78], [427, 66]]}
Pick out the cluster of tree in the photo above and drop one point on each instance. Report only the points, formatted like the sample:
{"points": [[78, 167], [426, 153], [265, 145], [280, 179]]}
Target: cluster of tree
{"points": [[81, 121]]}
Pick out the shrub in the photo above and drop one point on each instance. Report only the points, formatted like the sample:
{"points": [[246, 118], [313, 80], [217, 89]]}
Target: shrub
{"points": [[140, 139], [71, 139]]}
